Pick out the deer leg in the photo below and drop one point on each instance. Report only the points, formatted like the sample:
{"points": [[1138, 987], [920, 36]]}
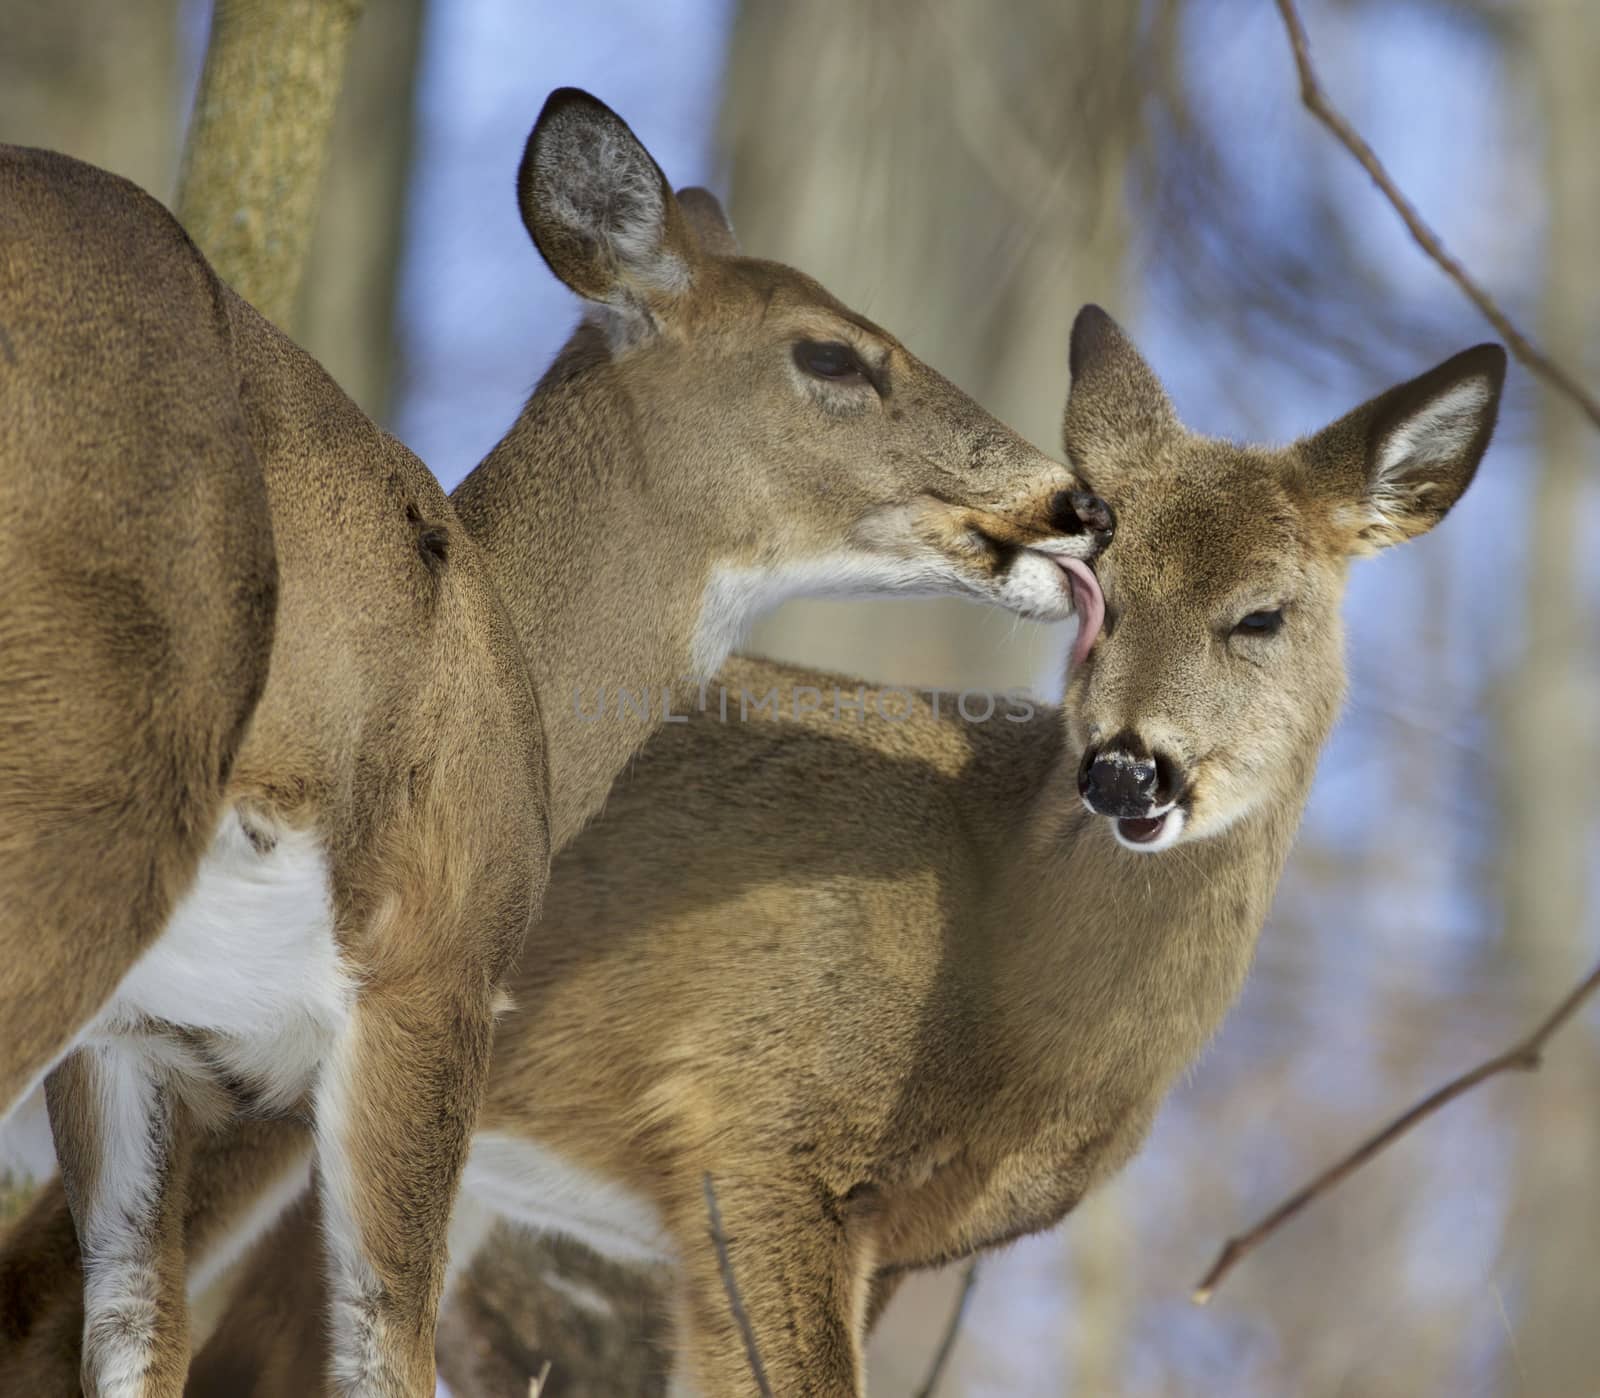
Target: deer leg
{"points": [[395, 1110], [123, 1137], [271, 1340], [801, 1271], [237, 1181]]}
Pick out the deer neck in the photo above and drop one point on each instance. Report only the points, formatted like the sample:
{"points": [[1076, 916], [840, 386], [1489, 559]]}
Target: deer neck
{"points": [[602, 579], [1112, 969]]}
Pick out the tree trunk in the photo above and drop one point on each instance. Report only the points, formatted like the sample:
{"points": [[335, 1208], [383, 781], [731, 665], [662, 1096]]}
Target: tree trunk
{"points": [[1103, 1307], [346, 311], [252, 170], [1548, 760]]}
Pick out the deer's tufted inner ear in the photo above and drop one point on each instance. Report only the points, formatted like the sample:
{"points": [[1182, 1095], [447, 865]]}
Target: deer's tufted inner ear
{"points": [[600, 211], [1396, 465]]}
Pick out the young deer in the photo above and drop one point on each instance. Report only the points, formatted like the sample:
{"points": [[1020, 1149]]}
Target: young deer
{"points": [[906, 988], [275, 813]]}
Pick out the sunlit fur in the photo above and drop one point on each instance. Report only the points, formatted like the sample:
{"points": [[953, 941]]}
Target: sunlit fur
{"points": [[889, 983]]}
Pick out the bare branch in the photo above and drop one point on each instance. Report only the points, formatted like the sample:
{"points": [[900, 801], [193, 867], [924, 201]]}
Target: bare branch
{"points": [[537, 1383], [1316, 102], [941, 1357], [1523, 1057], [735, 1301]]}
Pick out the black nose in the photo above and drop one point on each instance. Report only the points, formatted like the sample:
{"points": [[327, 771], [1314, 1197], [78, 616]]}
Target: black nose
{"points": [[1120, 780], [1079, 512]]}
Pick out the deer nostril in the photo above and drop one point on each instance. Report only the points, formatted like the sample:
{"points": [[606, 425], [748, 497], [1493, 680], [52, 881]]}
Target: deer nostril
{"points": [[1063, 517], [1169, 780], [1093, 512], [1078, 512], [1086, 766]]}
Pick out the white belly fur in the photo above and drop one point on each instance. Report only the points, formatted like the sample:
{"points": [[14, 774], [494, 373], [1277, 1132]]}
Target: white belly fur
{"points": [[249, 957], [529, 1184]]}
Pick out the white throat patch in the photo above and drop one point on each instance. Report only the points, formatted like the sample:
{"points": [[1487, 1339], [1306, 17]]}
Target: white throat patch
{"points": [[736, 596]]}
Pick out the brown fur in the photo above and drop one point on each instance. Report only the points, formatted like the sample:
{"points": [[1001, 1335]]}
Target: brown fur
{"points": [[122, 704], [887, 981], [230, 591], [223, 600]]}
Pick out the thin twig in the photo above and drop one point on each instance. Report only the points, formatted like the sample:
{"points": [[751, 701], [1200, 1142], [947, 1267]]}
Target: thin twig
{"points": [[536, 1385], [735, 1301], [1316, 102], [1523, 1056], [969, 1279]]}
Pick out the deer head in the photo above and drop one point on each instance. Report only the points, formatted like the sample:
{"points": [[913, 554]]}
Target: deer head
{"points": [[1219, 666], [808, 447]]}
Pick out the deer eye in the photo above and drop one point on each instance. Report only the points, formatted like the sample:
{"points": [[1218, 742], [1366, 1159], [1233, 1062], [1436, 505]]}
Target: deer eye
{"points": [[1264, 623], [831, 360]]}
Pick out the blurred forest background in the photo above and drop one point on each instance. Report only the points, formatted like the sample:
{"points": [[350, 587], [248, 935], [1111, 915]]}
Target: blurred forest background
{"points": [[968, 173]]}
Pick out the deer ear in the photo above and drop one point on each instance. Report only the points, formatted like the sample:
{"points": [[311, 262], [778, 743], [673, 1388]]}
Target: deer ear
{"points": [[1115, 398], [1399, 462], [599, 209], [704, 214]]}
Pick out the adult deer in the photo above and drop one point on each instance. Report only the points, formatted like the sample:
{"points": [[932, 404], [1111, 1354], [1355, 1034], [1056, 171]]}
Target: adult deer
{"points": [[906, 987], [274, 808]]}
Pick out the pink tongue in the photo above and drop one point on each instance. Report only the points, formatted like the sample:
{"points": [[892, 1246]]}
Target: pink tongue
{"points": [[1089, 604]]}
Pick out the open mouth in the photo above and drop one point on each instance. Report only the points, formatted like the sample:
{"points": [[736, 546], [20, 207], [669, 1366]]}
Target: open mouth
{"points": [[1144, 830], [1152, 833], [1148, 834]]}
